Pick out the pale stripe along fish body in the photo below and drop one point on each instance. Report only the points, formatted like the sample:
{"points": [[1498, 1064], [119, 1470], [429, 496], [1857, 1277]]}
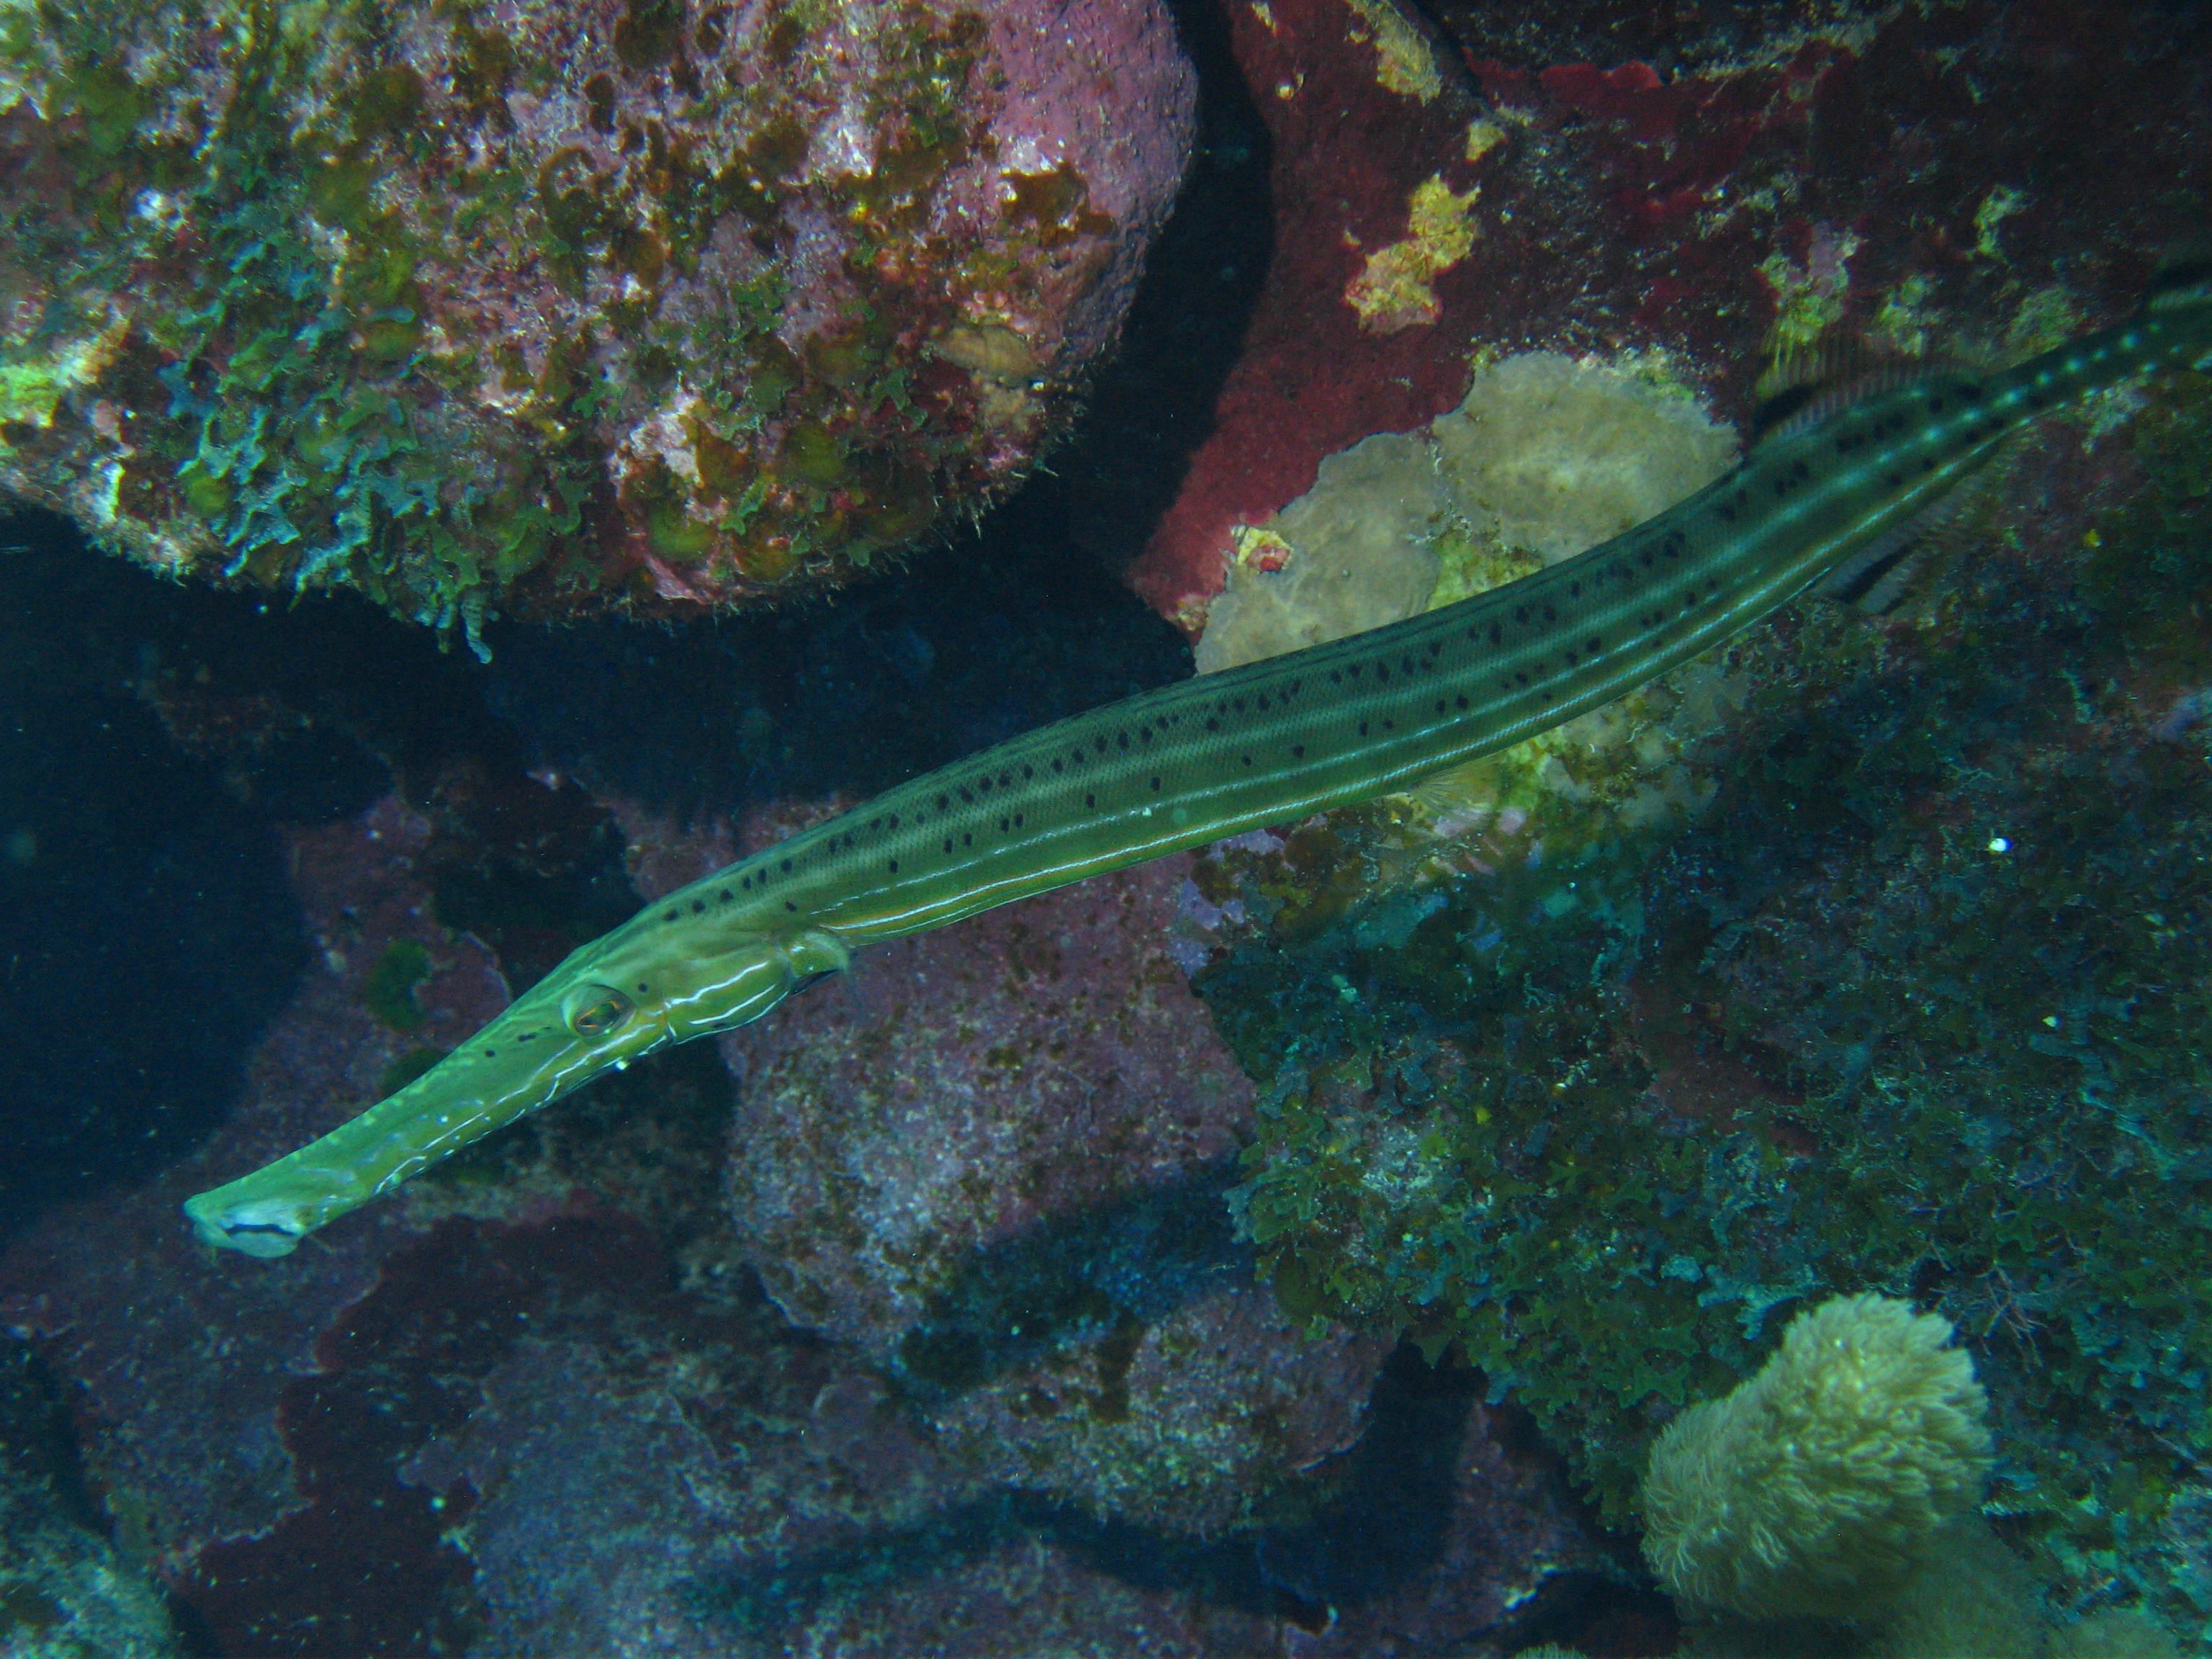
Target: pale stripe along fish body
{"points": [[1264, 743]]}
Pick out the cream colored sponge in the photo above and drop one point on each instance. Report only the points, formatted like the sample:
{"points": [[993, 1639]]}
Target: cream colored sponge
{"points": [[1816, 1486]]}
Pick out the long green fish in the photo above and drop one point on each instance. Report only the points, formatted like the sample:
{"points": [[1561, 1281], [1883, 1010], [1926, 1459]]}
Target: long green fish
{"points": [[1191, 762]]}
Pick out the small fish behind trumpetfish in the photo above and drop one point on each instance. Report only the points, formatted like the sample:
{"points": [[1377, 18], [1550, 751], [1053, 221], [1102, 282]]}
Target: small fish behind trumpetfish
{"points": [[1268, 742]]}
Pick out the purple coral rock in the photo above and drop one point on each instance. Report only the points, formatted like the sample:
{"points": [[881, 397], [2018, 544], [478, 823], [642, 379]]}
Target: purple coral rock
{"points": [[666, 303], [993, 1158], [979, 1082]]}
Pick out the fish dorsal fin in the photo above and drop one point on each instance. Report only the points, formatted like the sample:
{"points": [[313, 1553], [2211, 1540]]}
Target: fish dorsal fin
{"points": [[2184, 276], [1791, 367], [1802, 384]]}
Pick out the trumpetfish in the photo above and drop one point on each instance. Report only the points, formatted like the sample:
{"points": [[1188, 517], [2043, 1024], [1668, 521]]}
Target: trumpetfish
{"points": [[1268, 743]]}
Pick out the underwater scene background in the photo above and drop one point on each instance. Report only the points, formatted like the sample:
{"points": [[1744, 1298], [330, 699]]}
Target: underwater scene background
{"points": [[554, 449]]}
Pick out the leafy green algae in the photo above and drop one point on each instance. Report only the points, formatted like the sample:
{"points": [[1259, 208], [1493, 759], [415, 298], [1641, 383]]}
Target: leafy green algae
{"points": [[282, 394], [1917, 1008]]}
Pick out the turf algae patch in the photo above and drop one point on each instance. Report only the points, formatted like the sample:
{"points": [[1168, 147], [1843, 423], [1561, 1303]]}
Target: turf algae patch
{"points": [[556, 308]]}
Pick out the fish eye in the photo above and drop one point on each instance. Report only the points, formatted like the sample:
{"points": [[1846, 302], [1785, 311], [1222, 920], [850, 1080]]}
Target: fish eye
{"points": [[595, 1009]]}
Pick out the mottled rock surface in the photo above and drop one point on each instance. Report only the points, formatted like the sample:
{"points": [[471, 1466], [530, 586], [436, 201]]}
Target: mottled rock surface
{"points": [[991, 1158], [664, 304], [65, 1591]]}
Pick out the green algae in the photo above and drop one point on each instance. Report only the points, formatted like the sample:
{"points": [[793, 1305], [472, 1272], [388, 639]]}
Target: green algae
{"points": [[389, 988], [1917, 1006]]}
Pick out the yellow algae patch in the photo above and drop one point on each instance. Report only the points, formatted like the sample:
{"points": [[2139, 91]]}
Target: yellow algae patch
{"points": [[1808, 300], [1482, 137], [2047, 317], [28, 392], [1003, 408], [1408, 67], [1266, 14], [32, 388], [1259, 550], [992, 352], [1393, 291], [1906, 316], [2000, 204]]}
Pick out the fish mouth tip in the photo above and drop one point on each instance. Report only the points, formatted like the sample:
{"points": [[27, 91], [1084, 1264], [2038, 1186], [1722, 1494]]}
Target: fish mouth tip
{"points": [[230, 1230]]}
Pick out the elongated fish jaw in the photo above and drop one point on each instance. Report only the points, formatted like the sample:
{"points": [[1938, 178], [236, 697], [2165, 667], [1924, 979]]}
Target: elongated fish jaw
{"points": [[262, 1227], [557, 1037], [606, 1006]]}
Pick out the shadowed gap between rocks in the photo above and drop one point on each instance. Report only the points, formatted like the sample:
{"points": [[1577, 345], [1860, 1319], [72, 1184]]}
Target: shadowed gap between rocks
{"points": [[1138, 1257], [1401, 1470]]}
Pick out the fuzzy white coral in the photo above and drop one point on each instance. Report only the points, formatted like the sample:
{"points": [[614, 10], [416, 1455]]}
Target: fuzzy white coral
{"points": [[1818, 1485]]}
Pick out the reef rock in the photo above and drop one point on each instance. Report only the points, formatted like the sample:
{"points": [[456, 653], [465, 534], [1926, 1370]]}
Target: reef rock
{"points": [[993, 1159], [64, 1589], [1546, 457], [663, 304]]}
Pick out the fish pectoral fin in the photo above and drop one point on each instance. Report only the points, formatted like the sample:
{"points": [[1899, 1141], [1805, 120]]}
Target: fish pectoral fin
{"points": [[1877, 579], [1803, 384], [1456, 788]]}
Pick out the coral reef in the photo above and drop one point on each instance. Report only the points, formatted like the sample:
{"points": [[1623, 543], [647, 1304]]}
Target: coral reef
{"points": [[664, 304], [1909, 1006], [1870, 955], [1827, 966], [1818, 1485], [1544, 458], [1830, 1506], [1378, 158], [1354, 552], [1631, 180], [545, 1402]]}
